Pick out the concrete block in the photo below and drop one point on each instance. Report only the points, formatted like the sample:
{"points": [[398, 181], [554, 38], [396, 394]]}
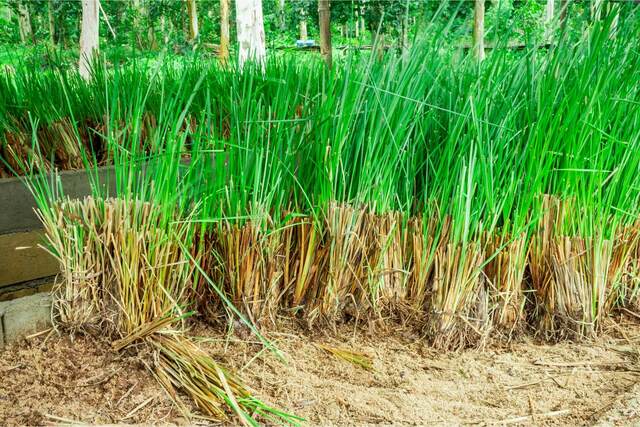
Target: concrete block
{"points": [[24, 316], [25, 289], [17, 203], [21, 260]]}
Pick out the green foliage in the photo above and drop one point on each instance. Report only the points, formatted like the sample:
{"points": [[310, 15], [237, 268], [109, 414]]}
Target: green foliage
{"points": [[447, 120], [155, 24], [464, 158], [530, 15]]}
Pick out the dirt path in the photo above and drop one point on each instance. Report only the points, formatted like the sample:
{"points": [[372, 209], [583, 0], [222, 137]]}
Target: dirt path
{"points": [[53, 380]]}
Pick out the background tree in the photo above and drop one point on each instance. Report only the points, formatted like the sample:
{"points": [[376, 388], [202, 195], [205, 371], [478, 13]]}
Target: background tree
{"points": [[383, 19], [24, 19], [346, 14], [478, 29], [303, 7], [282, 15], [139, 25], [324, 16], [192, 12], [250, 29], [52, 22], [89, 36], [224, 31]]}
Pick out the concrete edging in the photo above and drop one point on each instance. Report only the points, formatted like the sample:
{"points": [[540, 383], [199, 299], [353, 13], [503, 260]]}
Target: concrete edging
{"points": [[17, 204], [21, 259], [23, 316]]}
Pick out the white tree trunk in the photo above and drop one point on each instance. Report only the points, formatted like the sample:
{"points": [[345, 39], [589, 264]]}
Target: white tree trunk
{"points": [[250, 29], [224, 31], [549, 19], [405, 32], [303, 26], [89, 36], [478, 29]]}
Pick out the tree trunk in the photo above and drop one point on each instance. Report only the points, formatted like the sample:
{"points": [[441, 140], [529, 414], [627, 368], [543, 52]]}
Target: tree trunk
{"points": [[564, 13], [324, 15], [193, 20], [549, 20], [89, 36], [303, 26], [478, 29], [282, 18], [137, 26], [224, 31], [250, 29], [357, 32], [405, 32], [52, 22], [24, 21], [151, 28]]}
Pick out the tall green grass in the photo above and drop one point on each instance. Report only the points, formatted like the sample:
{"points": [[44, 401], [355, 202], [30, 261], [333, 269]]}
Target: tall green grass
{"points": [[479, 200]]}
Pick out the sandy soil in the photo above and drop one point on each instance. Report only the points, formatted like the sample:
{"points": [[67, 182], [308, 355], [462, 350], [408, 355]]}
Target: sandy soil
{"points": [[56, 380]]}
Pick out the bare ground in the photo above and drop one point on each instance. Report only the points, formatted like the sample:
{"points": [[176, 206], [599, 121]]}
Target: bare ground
{"points": [[55, 380]]}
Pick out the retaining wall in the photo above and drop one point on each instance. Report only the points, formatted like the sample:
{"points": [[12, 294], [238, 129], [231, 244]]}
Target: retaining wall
{"points": [[21, 259], [27, 270]]}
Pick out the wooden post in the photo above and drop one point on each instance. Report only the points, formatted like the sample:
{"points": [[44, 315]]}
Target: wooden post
{"points": [[478, 29], [324, 15]]}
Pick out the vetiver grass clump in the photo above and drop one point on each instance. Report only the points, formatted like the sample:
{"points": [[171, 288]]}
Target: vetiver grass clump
{"points": [[479, 201]]}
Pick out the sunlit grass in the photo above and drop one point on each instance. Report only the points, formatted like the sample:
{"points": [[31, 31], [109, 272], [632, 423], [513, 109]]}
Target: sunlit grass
{"points": [[478, 200]]}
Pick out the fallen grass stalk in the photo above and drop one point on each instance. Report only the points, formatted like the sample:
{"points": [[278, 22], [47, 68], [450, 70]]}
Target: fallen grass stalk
{"points": [[355, 358], [182, 365]]}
